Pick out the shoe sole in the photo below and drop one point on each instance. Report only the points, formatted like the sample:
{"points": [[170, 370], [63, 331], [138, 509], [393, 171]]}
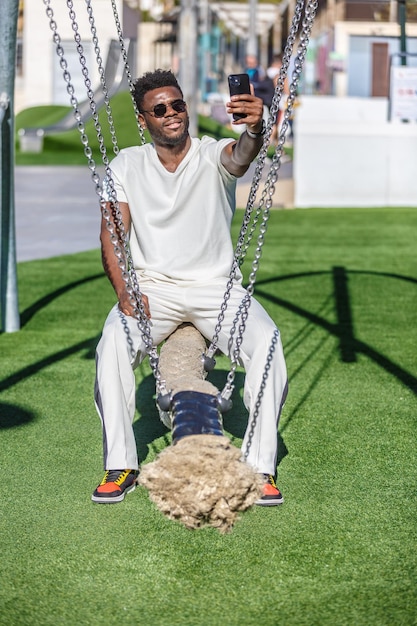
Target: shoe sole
{"points": [[269, 502], [115, 499]]}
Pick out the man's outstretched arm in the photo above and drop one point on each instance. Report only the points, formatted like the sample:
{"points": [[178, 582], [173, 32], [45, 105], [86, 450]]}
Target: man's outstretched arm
{"points": [[237, 156]]}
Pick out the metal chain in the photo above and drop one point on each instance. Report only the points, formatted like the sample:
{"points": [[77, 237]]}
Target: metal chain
{"points": [[242, 245], [113, 218], [115, 226], [102, 75], [87, 81], [243, 310], [310, 12], [127, 68], [73, 100], [115, 213], [258, 402]]}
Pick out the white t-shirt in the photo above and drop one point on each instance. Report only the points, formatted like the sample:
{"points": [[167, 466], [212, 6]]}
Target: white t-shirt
{"points": [[180, 220]]}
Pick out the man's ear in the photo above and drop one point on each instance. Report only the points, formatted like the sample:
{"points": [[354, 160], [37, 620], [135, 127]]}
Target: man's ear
{"points": [[141, 120]]}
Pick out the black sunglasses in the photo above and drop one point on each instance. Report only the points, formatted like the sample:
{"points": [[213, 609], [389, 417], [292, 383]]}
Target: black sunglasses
{"points": [[159, 110]]}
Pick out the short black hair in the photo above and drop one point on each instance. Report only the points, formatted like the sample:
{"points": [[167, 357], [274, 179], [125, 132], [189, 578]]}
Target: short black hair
{"points": [[153, 80]]}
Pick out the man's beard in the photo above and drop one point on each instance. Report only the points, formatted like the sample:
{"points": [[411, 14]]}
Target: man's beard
{"points": [[160, 137]]}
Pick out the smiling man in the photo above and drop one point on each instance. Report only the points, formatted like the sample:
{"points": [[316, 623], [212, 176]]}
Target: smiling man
{"points": [[177, 198]]}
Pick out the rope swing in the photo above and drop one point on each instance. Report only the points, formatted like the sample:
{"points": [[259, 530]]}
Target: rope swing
{"points": [[201, 458]]}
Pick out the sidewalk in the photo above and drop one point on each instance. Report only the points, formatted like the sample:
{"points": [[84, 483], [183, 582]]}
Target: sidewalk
{"points": [[283, 197], [57, 209]]}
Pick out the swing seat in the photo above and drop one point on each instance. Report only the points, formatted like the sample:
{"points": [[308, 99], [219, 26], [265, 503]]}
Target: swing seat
{"points": [[201, 479]]}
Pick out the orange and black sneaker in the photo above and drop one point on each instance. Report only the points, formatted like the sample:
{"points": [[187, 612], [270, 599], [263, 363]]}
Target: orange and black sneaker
{"points": [[115, 485], [271, 494]]}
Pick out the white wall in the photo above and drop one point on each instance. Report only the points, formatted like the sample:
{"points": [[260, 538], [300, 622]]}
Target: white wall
{"points": [[40, 62], [343, 31], [347, 154], [151, 56]]}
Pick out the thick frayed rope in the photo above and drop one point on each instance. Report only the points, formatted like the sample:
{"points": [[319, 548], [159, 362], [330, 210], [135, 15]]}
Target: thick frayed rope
{"points": [[202, 479]]}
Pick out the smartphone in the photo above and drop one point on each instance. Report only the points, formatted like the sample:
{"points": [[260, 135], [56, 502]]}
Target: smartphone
{"points": [[238, 83]]}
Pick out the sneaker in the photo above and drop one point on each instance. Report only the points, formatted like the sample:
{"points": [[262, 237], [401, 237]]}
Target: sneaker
{"points": [[272, 495], [115, 485]]}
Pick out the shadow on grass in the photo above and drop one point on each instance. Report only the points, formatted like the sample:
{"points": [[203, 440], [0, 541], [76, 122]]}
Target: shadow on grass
{"points": [[349, 346], [149, 427], [12, 415], [28, 313]]}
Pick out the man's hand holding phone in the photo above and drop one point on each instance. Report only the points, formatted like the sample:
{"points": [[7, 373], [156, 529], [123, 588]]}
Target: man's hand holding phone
{"points": [[244, 106]]}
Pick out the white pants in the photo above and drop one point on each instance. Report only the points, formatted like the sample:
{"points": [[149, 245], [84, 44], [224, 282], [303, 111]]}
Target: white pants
{"points": [[170, 306]]}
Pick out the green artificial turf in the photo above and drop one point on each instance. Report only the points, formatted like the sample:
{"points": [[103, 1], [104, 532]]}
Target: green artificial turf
{"points": [[342, 287]]}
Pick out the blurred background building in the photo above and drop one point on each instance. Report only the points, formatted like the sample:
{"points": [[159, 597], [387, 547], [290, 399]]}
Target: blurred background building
{"points": [[353, 40], [357, 114], [349, 52]]}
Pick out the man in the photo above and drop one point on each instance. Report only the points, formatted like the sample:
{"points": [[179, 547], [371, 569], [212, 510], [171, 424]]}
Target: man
{"points": [[254, 70], [176, 198]]}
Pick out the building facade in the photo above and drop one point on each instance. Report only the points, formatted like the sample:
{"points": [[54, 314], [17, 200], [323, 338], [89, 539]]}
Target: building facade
{"points": [[353, 44]]}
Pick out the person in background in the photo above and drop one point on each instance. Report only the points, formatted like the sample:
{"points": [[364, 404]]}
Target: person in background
{"points": [[265, 90], [254, 70]]}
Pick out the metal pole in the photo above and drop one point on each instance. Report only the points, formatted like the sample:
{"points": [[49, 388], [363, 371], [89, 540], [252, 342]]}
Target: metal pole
{"points": [[205, 66], [9, 308], [188, 59], [402, 18], [252, 47]]}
